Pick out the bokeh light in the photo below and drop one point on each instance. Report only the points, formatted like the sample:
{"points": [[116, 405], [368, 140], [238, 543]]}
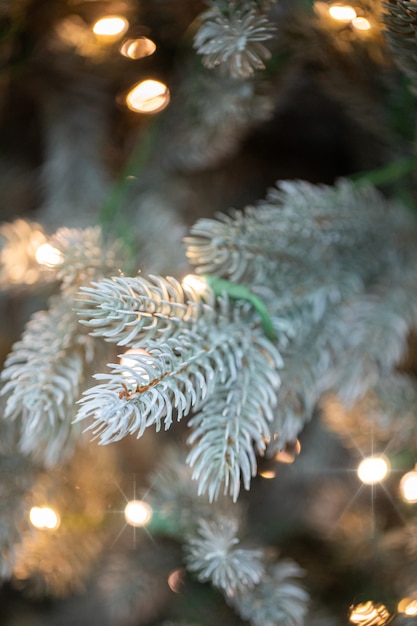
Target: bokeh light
{"points": [[44, 518], [373, 469], [138, 513], [148, 96]]}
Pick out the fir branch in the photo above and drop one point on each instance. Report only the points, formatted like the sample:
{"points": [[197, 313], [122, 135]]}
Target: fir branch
{"points": [[212, 554], [233, 38], [233, 424], [129, 311], [42, 377], [296, 227], [400, 20], [85, 256], [277, 599]]}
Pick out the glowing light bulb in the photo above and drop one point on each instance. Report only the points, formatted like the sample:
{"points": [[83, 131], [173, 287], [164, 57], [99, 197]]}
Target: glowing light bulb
{"points": [[408, 487], [373, 470], [195, 282], [138, 513], [342, 13], [44, 518], [408, 606], [137, 48], [111, 27], [148, 96], [49, 256], [361, 23], [369, 614]]}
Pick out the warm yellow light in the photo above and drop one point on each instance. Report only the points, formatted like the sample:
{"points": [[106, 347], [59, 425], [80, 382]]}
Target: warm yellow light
{"points": [[408, 606], [149, 96], [408, 487], [111, 26], [48, 255], [138, 513], [369, 614], [289, 453], [267, 474], [195, 282], [342, 13], [373, 470], [44, 518], [361, 23], [137, 48]]}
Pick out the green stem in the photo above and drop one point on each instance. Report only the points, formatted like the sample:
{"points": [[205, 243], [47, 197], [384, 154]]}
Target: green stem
{"points": [[240, 292], [387, 173]]}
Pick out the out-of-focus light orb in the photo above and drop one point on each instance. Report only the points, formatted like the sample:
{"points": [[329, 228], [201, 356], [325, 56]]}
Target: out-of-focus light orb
{"points": [[369, 614], [342, 13], [267, 474], [111, 26], [176, 580], [138, 513], [408, 606], [373, 469], [49, 256], [127, 361], [408, 487], [289, 453], [138, 48], [195, 282], [44, 518], [361, 23], [148, 96]]}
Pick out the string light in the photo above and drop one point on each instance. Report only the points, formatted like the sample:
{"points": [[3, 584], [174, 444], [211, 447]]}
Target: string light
{"points": [[408, 486], [44, 518], [373, 470], [49, 256], [111, 27], [137, 48], [342, 13], [408, 606], [369, 614], [148, 96], [361, 23], [138, 513]]}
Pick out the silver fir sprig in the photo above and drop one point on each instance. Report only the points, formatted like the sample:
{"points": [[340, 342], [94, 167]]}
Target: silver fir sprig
{"points": [[233, 38]]}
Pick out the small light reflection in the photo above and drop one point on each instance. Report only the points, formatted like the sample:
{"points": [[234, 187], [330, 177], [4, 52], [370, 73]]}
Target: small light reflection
{"points": [[138, 513], [44, 518], [373, 469], [267, 474], [176, 580], [289, 453], [342, 13], [148, 96], [137, 48]]}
